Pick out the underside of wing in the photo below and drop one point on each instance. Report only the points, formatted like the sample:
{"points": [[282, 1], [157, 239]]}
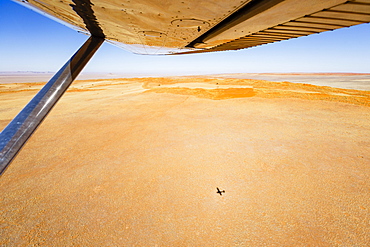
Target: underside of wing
{"points": [[196, 26]]}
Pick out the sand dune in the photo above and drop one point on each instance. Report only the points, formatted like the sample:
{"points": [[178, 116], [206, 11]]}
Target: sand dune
{"points": [[358, 81], [136, 162]]}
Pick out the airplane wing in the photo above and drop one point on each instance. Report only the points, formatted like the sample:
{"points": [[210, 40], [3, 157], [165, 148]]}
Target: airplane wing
{"points": [[172, 27], [196, 26]]}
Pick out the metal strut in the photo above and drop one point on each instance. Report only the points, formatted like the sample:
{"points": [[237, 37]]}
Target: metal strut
{"points": [[19, 130]]}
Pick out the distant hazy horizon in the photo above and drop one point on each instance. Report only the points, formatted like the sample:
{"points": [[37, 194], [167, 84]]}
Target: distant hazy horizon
{"points": [[358, 81]]}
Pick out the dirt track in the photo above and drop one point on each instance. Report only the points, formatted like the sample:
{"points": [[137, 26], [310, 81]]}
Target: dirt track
{"points": [[136, 162]]}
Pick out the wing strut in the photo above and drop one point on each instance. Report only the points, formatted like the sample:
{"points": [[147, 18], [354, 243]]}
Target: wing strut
{"points": [[15, 135]]}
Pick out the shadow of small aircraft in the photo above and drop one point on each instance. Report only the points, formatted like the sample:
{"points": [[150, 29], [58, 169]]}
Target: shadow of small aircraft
{"points": [[220, 191]]}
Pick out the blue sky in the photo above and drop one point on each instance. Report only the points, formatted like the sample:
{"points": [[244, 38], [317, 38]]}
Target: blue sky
{"points": [[30, 41]]}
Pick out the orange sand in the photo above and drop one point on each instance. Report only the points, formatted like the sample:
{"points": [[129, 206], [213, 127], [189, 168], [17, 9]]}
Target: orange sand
{"points": [[136, 162]]}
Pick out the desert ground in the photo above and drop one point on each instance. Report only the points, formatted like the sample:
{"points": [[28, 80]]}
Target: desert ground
{"points": [[136, 162], [358, 81]]}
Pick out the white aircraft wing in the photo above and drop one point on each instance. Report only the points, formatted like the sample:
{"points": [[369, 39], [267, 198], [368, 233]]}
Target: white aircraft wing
{"points": [[172, 27], [195, 26]]}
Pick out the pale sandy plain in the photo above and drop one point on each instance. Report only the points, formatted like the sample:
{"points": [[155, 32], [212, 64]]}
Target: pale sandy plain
{"points": [[136, 162]]}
